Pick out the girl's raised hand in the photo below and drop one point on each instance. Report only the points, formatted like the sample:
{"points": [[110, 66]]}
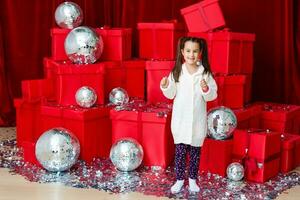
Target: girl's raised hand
{"points": [[164, 82], [204, 85]]}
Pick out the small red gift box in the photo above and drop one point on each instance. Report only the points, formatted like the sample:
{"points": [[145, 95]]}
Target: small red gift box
{"points": [[248, 117], [287, 152], [28, 116], [58, 39], [159, 40], [117, 43], [91, 126], [229, 52], [71, 77], [156, 70], [216, 155], [280, 117], [33, 90], [203, 16], [150, 129]]}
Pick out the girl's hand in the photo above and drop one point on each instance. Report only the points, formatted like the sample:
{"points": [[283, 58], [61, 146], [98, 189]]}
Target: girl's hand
{"points": [[204, 86], [164, 82]]}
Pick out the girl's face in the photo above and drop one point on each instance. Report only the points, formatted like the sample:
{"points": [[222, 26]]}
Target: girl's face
{"points": [[191, 52]]}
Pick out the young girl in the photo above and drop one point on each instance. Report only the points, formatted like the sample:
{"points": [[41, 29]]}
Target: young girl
{"points": [[191, 85]]}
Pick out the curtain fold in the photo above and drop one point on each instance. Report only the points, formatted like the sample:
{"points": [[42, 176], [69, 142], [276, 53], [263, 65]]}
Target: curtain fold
{"points": [[26, 38]]}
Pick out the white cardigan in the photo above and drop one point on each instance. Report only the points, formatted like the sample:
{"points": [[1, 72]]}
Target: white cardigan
{"points": [[189, 119]]}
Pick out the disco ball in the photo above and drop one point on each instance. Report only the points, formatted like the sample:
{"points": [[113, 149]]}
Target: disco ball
{"points": [[83, 45], [221, 122], [235, 171], [86, 97], [57, 149], [118, 96], [126, 154], [68, 15]]}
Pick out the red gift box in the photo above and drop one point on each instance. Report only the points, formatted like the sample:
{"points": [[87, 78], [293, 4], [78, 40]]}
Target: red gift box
{"points": [[229, 52], [280, 117], [288, 155], [117, 43], [248, 117], [28, 115], [49, 68], [260, 152], [156, 70], [135, 77], [259, 144], [29, 153], [58, 39], [231, 91], [71, 77], [150, 129], [216, 155], [159, 40], [203, 16], [91, 126], [33, 90], [248, 88]]}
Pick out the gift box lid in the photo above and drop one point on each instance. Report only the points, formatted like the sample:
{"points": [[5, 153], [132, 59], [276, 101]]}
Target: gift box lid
{"points": [[112, 64], [70, 68], [107, 31], [134, 63], [247, 112], [279, 112], [63, 31], [228, 35], [160, 64], [18, 102], [160, 25], [75, 112]]}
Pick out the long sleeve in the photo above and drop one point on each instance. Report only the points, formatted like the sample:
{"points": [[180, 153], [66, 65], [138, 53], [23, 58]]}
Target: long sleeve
{"points": [[211, 94], [170, 91]]}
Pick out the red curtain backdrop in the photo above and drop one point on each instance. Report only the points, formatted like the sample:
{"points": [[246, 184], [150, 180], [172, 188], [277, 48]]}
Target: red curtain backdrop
{"points": [[26, 24]]}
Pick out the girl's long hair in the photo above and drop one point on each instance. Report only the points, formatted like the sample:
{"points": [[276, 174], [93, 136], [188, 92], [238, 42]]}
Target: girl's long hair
{"points": [[176, 71]]}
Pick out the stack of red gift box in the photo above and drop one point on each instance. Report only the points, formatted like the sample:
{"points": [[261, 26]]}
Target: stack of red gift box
{"points": [[50, 102], [231, 61]]}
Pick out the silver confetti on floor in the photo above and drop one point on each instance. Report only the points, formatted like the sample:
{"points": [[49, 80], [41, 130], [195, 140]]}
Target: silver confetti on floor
{"points": [[102, 175]]}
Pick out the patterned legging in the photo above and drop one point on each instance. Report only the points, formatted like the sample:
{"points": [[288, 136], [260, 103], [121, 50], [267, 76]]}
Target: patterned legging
{"points": [[180, 160]]}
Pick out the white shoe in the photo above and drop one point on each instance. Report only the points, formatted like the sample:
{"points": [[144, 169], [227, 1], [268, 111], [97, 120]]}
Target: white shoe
{"points": [[193, 187], [177, 187]]}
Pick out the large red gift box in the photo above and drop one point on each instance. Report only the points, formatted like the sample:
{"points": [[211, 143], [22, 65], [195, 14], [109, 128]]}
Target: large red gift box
{"points": [[150, 129], [28, 117], [156, 70], [33, 90], [280, 117], [71, 77], [117, 43], [130, 75], [248, 117], [215, 156], [203, 16], [230, 91], [159, 40], [91, 126], [229, 52], [260, 151]]}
